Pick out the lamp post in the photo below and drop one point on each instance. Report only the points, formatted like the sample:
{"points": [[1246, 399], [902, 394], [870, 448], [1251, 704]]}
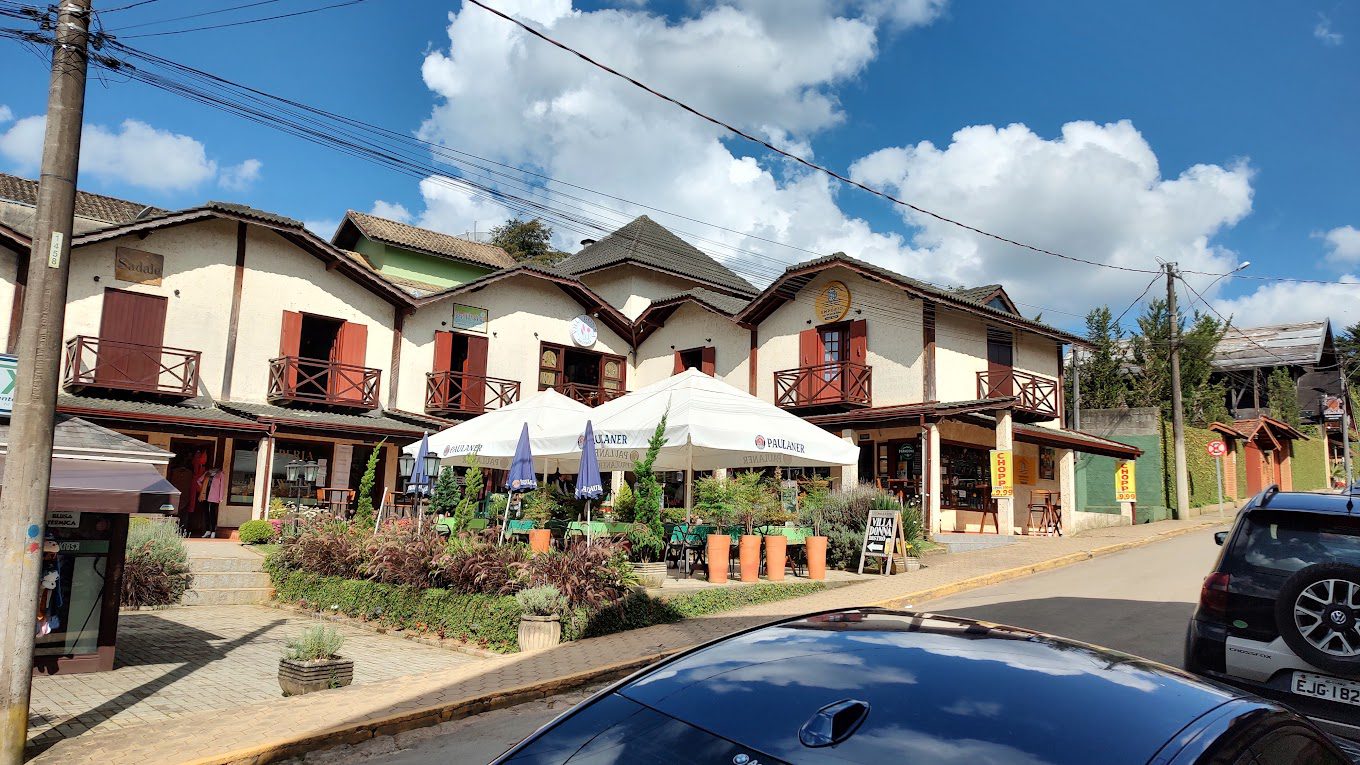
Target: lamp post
{"points": [[418, 485], [300, 473]]}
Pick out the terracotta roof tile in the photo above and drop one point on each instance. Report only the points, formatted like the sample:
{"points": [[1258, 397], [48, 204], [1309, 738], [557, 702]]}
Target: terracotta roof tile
{"points": [[96, 209], [431, 242]]}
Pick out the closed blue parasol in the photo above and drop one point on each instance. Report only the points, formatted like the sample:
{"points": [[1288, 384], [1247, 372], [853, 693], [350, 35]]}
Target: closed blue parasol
{"points": [[588, 475], [520, 477], [419, 482]]}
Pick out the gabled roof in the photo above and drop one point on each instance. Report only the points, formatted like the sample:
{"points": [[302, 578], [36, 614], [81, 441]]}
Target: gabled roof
{"points": [[74, 437], [1249, 428], [291, 230], [97, 208], [798, 276], [646, 243], [412, 287], [1273, 345], [585, 296], [659, 311], [410, 237], [988, 294]]}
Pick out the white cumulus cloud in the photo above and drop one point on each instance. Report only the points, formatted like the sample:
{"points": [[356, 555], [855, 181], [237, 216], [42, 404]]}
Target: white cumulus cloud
{"points": [[240, 177], [1343, 245], [6, 114], [1285, 302], [391, 211]]}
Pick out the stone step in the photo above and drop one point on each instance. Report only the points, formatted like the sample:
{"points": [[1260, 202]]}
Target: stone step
{"points": [[224, 565], [230, 580], [960, 543], [229, 597]]}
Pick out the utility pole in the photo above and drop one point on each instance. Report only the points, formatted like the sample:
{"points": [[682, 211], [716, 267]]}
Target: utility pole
{"points": [[1177, 411], [1076, 388], [28, 464]]}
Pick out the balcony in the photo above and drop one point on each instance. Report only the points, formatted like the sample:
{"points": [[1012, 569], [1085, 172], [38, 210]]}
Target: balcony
{"points": [[115, 365], [590, 395], [835, 386], [294, 379], [458, 393], [1037, 397]]}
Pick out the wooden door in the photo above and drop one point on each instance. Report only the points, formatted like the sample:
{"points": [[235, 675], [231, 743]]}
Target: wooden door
{"points": [[708, 360], [830, 382], [1000, 364], [612, 377], [474, 373], [346, 380], [809, 356], [551, 360], [441, 386], [131, 333]]}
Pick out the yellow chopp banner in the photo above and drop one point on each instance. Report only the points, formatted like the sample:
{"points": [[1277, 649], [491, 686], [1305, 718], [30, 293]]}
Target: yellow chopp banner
{"points": [[1003, 473], [1125, 487]]}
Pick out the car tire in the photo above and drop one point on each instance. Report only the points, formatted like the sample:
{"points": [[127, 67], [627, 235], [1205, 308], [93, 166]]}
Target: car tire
{"points": [[1318, 615]]}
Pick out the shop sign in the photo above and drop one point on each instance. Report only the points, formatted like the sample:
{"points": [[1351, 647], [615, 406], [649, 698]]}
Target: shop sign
{"points": [[8, 378], [833, 302], [469, 318], [1332, 408], [583, 331], [1003, 474], [1024, 470], [1125, 487], [138, 267], [84, 547], [63, 519], [881, 530]]}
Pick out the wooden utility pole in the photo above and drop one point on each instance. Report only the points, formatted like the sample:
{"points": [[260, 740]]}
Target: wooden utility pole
{"points": [[1177, 411], [28, 463]]}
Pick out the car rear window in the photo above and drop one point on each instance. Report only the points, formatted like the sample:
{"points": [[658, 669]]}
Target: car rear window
{"points": [[1285, 542], [617, 730]]}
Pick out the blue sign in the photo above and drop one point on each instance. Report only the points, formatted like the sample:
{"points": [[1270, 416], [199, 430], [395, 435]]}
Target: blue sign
{"points": [[8, 379]]}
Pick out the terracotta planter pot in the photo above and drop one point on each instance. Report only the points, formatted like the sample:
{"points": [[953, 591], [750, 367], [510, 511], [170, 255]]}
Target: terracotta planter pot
{"points": [[539, 632], [776, 556], [718, 547], [540, 540], [651, 574], [750, 558], [299, 677], [816, 558]]}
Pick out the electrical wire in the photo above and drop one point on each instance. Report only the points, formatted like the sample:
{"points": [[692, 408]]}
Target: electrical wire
{"points": [[1136, 300], [130, 5], [248, 21], [195, 15]]}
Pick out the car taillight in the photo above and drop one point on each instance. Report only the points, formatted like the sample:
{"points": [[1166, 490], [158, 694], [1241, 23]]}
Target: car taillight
{"points": [[1213, 596]]}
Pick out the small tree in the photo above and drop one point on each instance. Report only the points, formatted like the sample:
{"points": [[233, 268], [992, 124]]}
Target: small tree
{"points": [[754, 500], [1283, 395], [525, 240], [466, 508], [649, 540], [363, 511], [812, 509], [447, 494]]}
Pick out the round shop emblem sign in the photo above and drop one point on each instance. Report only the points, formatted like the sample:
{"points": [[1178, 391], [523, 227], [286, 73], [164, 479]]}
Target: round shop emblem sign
{"points": [[833, 302], [583, 331], [760, 442]]}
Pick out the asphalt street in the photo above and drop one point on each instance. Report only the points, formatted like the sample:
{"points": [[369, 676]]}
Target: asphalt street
{"points": [[1137, 601]]}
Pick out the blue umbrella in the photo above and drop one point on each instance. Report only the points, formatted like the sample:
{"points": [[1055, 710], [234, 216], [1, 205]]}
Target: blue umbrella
{"points": [[520, 478], [420, 480], [588, 475]]}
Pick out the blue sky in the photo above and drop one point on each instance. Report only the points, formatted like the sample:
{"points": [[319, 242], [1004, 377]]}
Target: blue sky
{"points": [[1263, 99]]}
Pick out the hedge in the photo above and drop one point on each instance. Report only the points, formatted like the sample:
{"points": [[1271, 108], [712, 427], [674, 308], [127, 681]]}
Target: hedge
{"points": [[492, 621], [1309, 463]]}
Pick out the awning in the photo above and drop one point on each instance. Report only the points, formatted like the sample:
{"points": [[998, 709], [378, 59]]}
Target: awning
{"points": [[102, 486]]}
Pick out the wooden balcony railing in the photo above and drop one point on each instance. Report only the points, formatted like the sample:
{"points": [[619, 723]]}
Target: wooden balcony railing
{"points": [[1037, 396], [317, 381], [835, 384], [458, 393], [93, 362], [590, 395]]}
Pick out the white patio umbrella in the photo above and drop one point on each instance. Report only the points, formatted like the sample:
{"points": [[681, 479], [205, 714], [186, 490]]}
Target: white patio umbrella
{"points": [[493, 436], [710, 425]]}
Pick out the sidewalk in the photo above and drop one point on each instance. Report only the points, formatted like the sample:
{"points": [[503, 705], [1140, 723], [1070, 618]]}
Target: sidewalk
{"points": [[266, 732]]}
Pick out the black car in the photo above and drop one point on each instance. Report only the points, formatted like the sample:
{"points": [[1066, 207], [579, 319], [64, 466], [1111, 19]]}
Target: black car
{"points": [[879, 686], [1280, 613]]}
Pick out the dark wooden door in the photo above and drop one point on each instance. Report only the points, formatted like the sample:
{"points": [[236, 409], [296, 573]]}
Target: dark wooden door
{"points": [[290, 340], [131, 333], [613, 370], [835, 343], [474, 373], [346, 382], [1000, 364]]}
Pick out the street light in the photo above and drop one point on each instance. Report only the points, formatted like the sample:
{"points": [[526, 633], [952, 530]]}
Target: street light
{"points": [[1245, 263], [415, 490]]}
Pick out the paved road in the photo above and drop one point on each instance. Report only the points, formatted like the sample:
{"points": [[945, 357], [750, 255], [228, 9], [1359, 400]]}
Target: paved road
{"points": [[1136, 601]]}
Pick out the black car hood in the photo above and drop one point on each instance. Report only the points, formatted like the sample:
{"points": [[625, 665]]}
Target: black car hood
{"points": [[940, 690]]}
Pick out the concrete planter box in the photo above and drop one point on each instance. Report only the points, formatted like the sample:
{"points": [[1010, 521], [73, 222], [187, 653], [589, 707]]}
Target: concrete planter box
{"points": [[651, 574], [299, 677], [539, 632]]}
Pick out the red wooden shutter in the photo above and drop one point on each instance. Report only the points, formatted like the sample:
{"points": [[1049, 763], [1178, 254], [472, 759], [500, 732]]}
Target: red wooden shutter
{"points": [[443, 351], [709, 364], [809, 355], [859, 341], [131, 331], [346, 381], [679, 363], [474, 374], [290, 339]]}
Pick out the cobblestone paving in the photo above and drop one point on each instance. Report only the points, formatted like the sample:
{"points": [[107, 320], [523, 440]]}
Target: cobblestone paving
{"points": [[179, 661]]}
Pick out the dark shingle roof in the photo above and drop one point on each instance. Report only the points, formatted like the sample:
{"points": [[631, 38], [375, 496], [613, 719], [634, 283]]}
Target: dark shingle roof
{"points": [[719, 302], [426, 241], [977, 294], [92, 210], [245, 211], [195, 409], [376, 422], [73, 434], [646, 242]]}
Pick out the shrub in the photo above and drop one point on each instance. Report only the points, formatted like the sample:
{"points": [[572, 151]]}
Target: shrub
{"points": [[316, 643], [587, 575], [277, 508], [156, 570], [844, 517], [811, 511], [637, 609], [647, 493], [363, 508], [754, 499], [624, 504], [402, 554], [473, 482], [325, 547], [256, 532], [541, 601], [540, 505], [447, 494], [482, 568]]}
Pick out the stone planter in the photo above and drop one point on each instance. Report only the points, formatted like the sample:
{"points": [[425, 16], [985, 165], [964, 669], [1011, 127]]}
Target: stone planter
{"points": [[816, 558], [299, 677], [651, 574], [776, 557], [539, 632], [912, 563]]}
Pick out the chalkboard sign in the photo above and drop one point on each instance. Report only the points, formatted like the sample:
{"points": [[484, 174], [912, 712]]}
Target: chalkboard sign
{"points": [[883, 530]]}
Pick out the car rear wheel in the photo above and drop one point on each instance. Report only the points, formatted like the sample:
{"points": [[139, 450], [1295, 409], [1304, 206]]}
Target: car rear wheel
{"points": [[1318, 615]]}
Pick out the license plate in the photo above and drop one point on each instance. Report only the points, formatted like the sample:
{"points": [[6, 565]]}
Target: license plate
{"points": [[1328, 688]]}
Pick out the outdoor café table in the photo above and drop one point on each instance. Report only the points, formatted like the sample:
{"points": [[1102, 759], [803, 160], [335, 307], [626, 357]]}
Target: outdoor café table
{"points": [[520, 527], [597, 529], [690, 544]]}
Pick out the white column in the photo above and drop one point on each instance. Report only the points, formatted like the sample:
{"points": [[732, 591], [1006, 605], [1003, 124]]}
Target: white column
{"points": [[849, 473], [260, 507], [1005, 439], [1067, 488], [615, 482], [934, 478]]}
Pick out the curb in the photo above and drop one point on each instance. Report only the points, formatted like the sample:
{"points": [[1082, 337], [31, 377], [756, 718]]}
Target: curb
{"points": [[997, 577]]}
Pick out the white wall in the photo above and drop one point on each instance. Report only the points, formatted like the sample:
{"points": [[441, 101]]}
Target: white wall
{"points": [[523, 311], [960, 353], [632, 288], [9, 264], [692, 327]]}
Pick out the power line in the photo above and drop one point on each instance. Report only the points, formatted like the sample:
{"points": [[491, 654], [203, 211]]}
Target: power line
{"points": [[1228, 323], [247, 21], [195, 15], [129, 5], [1137, 299]]}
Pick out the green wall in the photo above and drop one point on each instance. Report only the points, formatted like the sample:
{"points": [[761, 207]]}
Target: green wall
{"points": [[1095, 481], [1198, 465], [441, 272], [1310, 461]]}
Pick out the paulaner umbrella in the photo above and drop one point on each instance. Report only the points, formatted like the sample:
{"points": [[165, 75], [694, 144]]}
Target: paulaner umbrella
{"points": [[520, 477], [419, 483], [588, 475]]}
